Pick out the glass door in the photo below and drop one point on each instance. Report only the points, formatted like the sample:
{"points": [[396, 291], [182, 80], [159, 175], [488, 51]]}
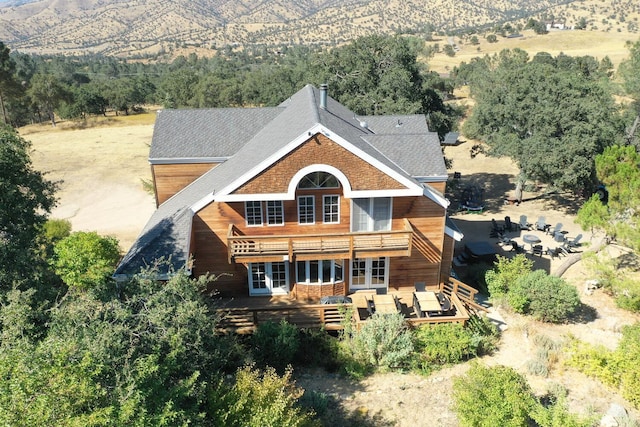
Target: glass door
{"points": [[369, 273], [268, 278]]}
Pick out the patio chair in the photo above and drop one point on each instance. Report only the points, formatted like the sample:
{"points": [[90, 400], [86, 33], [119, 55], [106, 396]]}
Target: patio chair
{"points": [[541, 224], [523, 224], [495, 228], [537, 250], [553, 253], [508, 225], [515, 247], [503, 240], [575, 242], [555, 230]]}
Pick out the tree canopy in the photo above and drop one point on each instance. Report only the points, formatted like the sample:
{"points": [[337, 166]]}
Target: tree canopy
{"points": [[551, 115], [26, 197]]}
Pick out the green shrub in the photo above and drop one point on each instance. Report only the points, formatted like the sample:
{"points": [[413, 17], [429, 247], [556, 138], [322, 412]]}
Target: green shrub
{"points": [[85, 260], [56, 229], [383, 341], [257, 399], [492, 396], [505, 272], [275, 344], [444, 343], [555, 412], [547, 298], [318, 348], [627, 294]]}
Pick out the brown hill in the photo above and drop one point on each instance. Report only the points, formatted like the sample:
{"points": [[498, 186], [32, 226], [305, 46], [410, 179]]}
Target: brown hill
{"points": [[147, 27]]}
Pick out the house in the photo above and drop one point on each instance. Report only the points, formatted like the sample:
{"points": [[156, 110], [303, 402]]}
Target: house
{"points": [[305, 199]]}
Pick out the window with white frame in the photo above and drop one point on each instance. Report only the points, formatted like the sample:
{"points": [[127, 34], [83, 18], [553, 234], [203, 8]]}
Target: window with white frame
{"points": [[253, 213], [268, 278], [306, 210], [275, 212], [320, 271], [371, 214], [331, 209], [319, 179]]}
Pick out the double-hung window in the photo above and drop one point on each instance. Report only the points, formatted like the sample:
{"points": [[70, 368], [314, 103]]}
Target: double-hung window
{"points": [[253, 213], [306, 210], [331, 209], [275, 212]]}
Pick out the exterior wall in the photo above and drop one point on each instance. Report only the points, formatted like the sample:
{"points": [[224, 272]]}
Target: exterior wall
{"points": [[211, 225], [439, 186], [424, 264], [169, 179], [319, 149]]}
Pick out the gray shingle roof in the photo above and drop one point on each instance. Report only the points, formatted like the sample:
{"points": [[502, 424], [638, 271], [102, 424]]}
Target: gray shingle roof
{"points": [[261, 133]]}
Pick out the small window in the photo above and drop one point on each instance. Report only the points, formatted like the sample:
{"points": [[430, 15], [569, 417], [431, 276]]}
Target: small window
{"points": [[331, 209], [306, 210], [319, 180], [275, 212], [253, 213]]}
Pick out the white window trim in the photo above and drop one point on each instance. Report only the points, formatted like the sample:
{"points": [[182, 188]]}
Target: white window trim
{"points": [[370, 227], [324, 204], [268, 218], [313, 209], [332, 280], [246, 216], [268, 274]]}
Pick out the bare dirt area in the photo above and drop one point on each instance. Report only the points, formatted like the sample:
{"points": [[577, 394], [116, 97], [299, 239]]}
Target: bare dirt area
{"points": [[101, 170]]}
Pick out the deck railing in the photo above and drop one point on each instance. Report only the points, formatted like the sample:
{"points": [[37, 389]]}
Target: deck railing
{"points": [[347, 245]]}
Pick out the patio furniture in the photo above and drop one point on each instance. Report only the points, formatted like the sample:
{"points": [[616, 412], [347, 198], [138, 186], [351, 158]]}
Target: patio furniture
{"points": [[503, 240], [426, 303], [508, 225], [537, 250], [575, 242], [515, 247], [531, 239], [523, 224], [556, 229], [541, 224], [553, 253], [495, 228], [335, 299], [385, 304], [559, 237]]}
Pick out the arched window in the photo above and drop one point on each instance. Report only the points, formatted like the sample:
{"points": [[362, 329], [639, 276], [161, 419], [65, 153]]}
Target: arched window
{"points": [[319, 179]]}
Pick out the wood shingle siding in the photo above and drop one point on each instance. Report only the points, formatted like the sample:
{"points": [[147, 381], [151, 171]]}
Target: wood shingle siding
{"points": [[169, 179], [319, 149]]}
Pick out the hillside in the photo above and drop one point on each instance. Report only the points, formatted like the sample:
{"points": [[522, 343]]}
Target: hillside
{"points": [[149, 27]]}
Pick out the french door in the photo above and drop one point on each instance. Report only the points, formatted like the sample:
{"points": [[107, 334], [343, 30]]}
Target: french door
{"points": [[268, 278], [369, 273]]}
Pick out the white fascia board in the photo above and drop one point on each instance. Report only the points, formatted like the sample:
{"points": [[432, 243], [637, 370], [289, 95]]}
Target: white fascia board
{"points": [[455, 234], [290, 196], [186, 160], [434, 178], [435, 196]]}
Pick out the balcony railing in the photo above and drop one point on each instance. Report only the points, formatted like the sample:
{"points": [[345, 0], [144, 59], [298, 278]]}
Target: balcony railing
{"points": [[246, 248]]}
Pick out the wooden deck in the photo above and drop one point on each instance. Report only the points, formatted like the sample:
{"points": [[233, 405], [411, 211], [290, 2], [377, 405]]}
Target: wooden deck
{"points": [[243, 315], [245, 248]]}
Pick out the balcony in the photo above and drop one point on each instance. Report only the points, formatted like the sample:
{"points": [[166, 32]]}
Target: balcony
{"points": [[301, 247]]}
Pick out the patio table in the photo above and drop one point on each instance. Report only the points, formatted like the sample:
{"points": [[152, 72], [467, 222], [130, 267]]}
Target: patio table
{"points": [[531, 239], [425, 302], [385, 304]]}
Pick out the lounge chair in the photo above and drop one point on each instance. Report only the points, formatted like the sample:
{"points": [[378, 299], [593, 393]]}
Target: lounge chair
{"points": [[555, 230], [508, 225], [537, 250], [495, 228], [575, 242], [553, 253], [523, 224], [515, 247], [541, 224]]}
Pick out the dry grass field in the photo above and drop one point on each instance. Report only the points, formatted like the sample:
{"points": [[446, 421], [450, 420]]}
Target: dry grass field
{"points": [[570, 42]]}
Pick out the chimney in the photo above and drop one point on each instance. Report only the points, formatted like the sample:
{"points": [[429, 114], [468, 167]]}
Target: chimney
{"points": [[323, 96]]}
